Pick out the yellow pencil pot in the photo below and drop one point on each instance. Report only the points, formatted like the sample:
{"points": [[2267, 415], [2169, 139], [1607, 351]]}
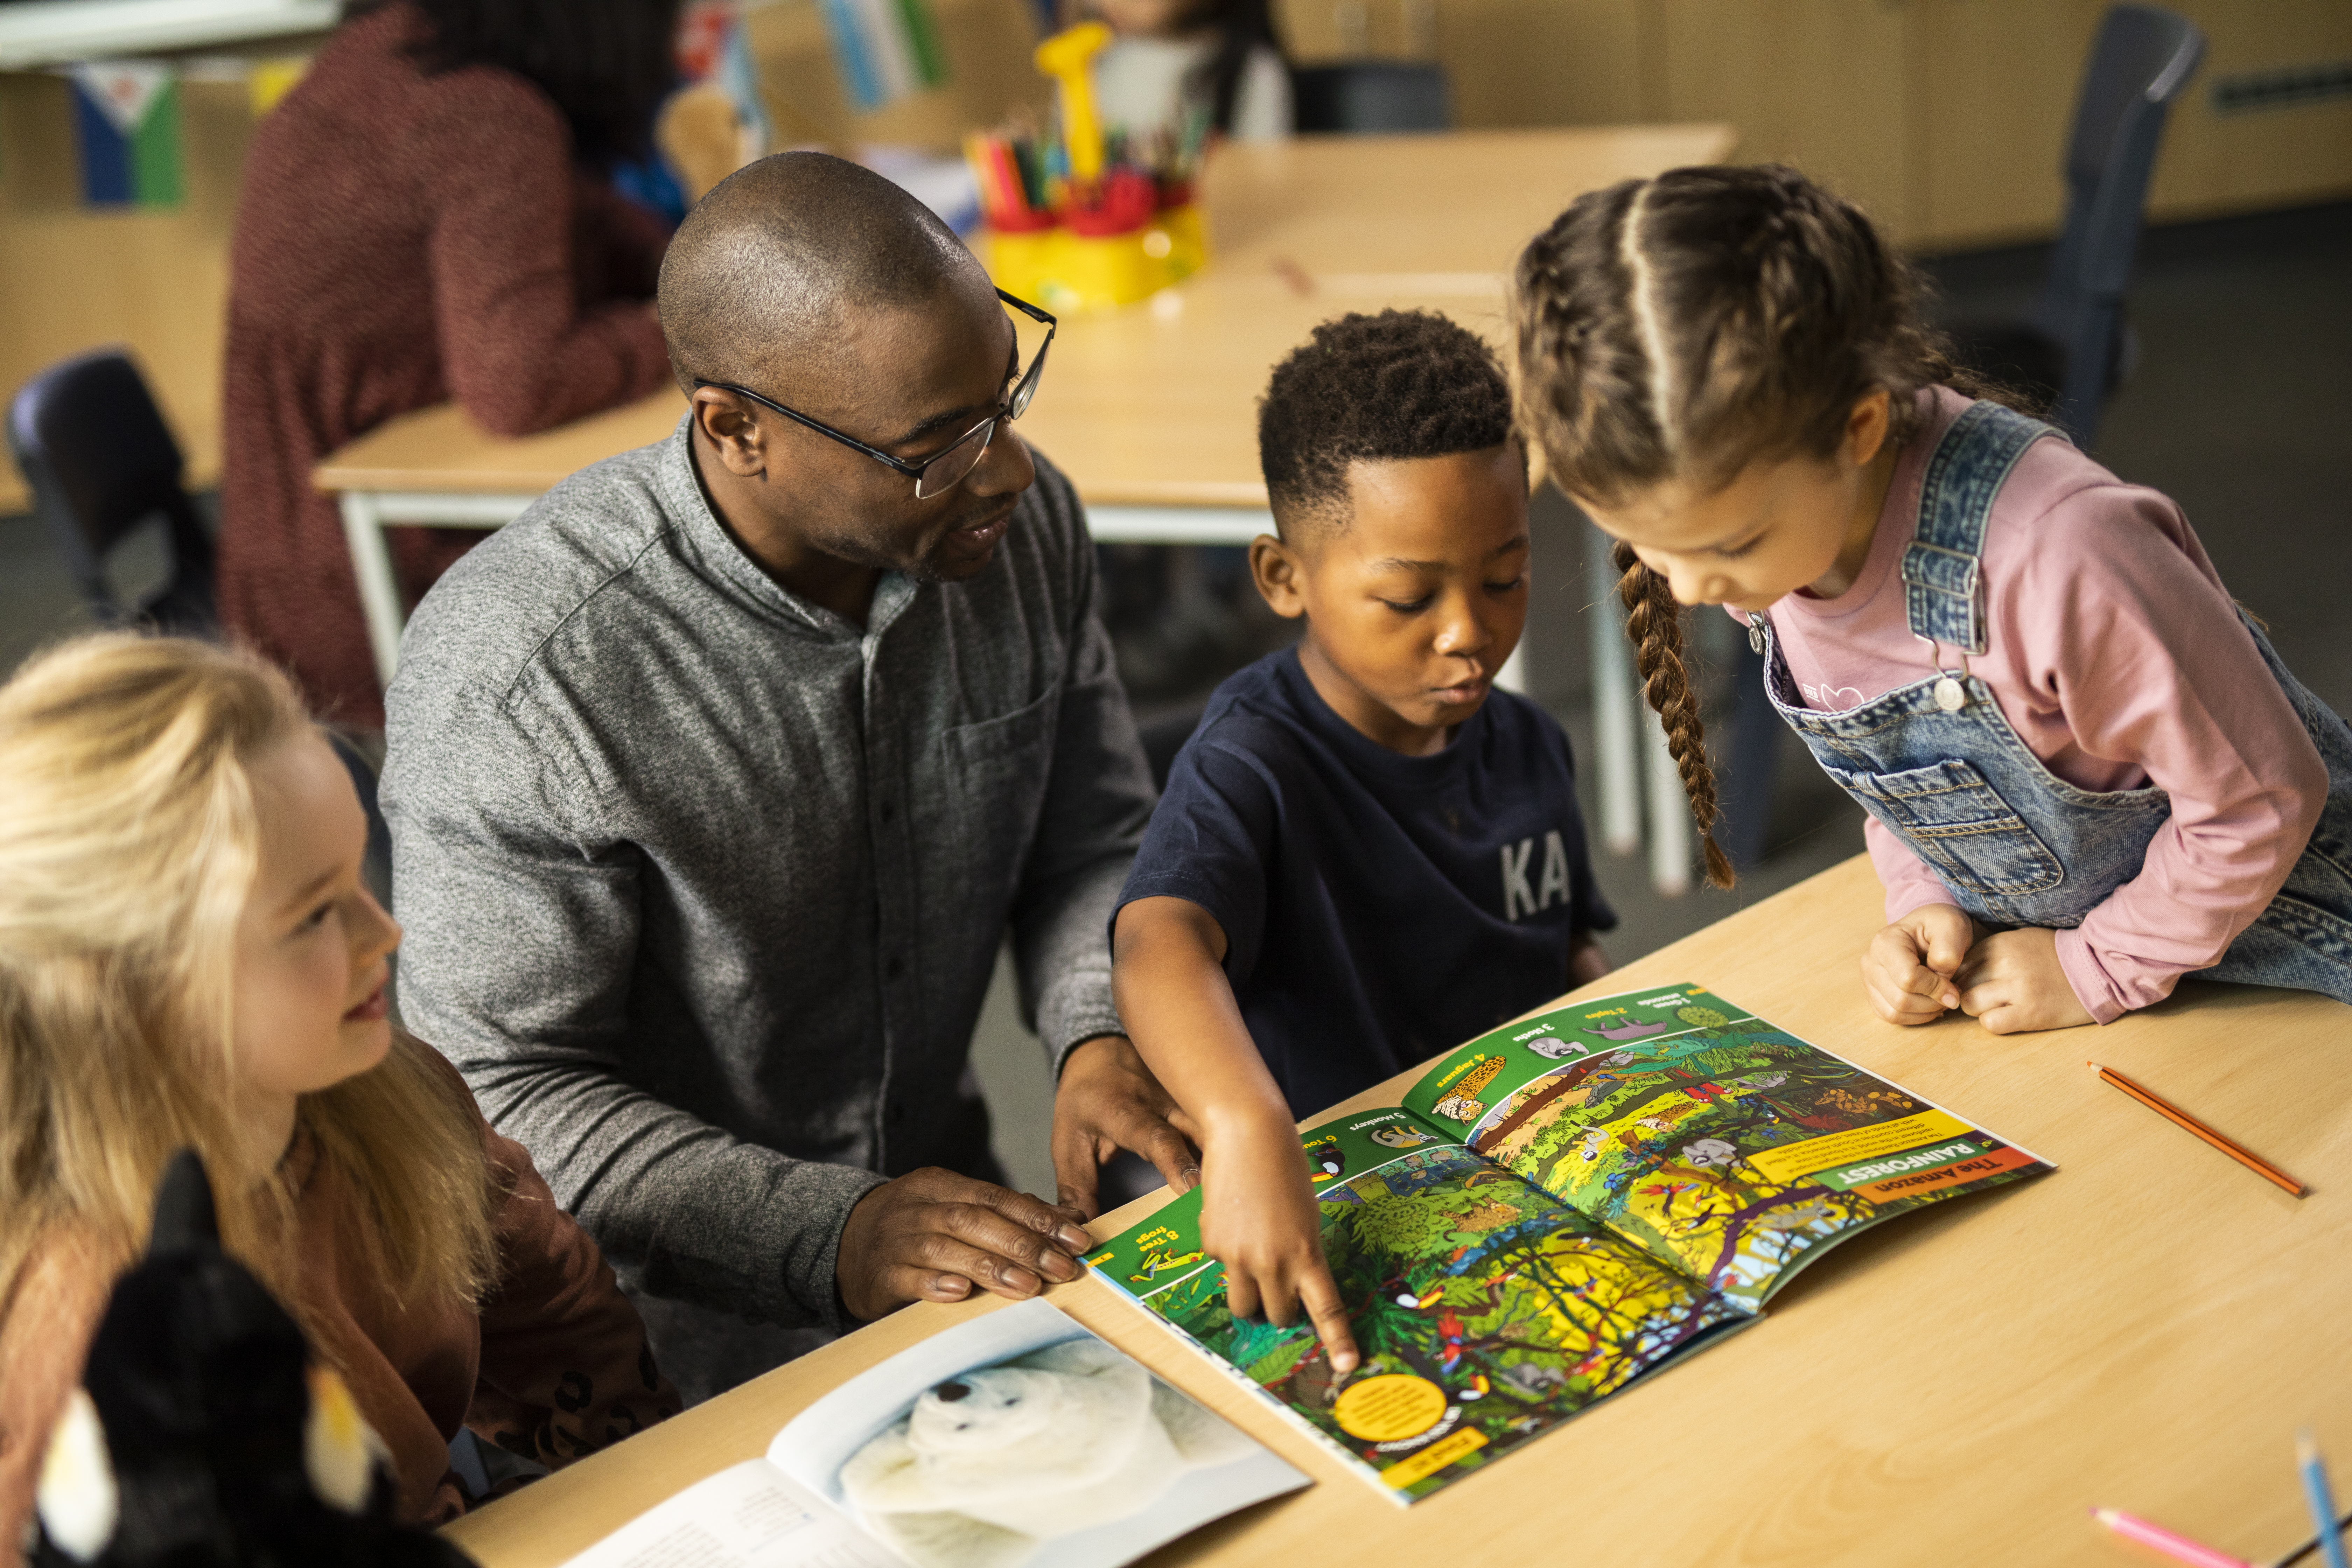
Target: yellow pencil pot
{"points": [[1067, 272]]}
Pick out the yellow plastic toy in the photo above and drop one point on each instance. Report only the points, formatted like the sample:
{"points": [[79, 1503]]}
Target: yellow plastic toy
{"points": [[1084, 236], [1067, 272], [1068, 57]]}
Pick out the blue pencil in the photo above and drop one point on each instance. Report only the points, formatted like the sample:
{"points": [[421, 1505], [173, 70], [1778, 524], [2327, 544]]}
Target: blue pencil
{"points": [[2322, 1504]]}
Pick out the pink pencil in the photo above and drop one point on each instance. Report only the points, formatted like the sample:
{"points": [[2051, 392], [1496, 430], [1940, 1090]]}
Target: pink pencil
{"points": [[2178, 1547]]}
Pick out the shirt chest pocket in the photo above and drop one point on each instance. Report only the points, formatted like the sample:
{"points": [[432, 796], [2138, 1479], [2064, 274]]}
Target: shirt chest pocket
{"points": [[999, 768], [1958, 823]]}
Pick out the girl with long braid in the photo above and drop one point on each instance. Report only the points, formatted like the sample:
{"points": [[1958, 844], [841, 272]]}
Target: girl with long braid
{"points": [[2087, 771]]}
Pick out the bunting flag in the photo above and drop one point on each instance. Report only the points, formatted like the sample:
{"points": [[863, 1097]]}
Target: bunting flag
{"points": [[127, 120], [886, 48], [269, 82]]}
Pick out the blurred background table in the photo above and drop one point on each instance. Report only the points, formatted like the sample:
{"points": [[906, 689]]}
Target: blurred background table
{"points": [[2144, 1329], [1151, 411]]}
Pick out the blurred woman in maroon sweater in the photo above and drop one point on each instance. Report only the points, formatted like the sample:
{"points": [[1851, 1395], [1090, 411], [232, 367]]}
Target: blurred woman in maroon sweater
{"points": [[424, 218]]}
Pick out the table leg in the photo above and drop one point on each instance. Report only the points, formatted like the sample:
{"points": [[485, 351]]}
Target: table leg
{"points": [[1671, 828], [1616, 761], [372, 564]]}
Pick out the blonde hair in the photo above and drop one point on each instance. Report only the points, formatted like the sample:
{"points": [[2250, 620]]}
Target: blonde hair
{"points": [[129, 845]]}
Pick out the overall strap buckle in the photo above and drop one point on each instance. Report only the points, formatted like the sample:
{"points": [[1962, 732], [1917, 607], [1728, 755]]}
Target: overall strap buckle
{"points": [[1951, 688], [1943, 587]]}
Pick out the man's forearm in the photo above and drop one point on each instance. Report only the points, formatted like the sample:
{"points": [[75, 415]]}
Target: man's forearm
{"points": [[694, 1212]]}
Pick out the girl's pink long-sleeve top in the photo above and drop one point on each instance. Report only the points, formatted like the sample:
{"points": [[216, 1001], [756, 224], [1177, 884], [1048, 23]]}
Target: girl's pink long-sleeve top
{"points": [[2118, 657]]}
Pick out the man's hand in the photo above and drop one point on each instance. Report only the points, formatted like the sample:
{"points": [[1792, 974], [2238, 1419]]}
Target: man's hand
{"points": [[932, 1236], [1908, 967], [1260, 1219], [1586, 961], [2012, 984], [1107, 1100]]}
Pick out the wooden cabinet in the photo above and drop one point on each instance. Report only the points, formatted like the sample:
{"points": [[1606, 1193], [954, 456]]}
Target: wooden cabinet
{"points": [[2218, 161], [1993, 85], [1945, 118], [1817, 83]]}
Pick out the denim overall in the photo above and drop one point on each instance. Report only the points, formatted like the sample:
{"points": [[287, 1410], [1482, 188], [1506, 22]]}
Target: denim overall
{"points": [[1937, 763]]}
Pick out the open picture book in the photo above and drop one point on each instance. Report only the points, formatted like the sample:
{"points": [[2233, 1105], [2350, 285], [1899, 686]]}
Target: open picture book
{"points": [[1560, 1208], [1014, 1439]]}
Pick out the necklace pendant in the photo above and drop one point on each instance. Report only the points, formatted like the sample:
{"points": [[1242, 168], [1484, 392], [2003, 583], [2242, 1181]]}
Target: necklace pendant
{"points": [[1755, 634], [1950, 694]]}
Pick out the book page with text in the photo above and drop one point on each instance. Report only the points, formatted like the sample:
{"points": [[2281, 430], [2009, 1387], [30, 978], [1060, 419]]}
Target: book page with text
{"points": [[749, 1515], [1727, 1149]]}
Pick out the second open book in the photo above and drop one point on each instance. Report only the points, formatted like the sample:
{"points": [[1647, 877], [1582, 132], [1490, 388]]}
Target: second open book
{"points": [[1556, 1210]]}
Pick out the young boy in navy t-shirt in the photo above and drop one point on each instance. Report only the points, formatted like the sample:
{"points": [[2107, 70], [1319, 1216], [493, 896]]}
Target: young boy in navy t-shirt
{"points": [[1366, 855]]}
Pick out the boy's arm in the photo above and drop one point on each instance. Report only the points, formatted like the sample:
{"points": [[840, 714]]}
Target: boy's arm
{"points": [[1259, 1213]]}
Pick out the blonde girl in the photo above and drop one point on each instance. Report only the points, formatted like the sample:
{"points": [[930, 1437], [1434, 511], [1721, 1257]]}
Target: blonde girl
{"points": [[2086, 773], [188, 959]]}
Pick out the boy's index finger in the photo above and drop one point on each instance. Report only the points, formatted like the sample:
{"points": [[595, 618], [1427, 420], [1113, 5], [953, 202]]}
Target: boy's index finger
{"points": [[1320, 1297]]}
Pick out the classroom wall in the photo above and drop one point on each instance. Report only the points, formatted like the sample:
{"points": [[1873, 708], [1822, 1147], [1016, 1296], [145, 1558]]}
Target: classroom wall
{"points": [[71, 278], [1947, 116]]}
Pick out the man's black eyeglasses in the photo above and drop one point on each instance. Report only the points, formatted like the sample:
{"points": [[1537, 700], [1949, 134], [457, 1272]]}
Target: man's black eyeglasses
{"points": [[945, 468]]}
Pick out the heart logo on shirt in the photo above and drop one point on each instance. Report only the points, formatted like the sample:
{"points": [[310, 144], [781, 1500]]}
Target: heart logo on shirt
{"points": [[1832, 699]]}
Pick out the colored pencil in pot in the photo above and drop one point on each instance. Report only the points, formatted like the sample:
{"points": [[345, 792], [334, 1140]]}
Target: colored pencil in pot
{"points": [[2182, 1118]]}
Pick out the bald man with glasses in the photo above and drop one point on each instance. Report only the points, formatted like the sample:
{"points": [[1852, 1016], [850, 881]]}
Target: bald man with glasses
{"points": [[717, 780]]}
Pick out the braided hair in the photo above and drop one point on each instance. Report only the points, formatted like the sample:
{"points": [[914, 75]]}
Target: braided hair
{"points": [[1683, 327]]}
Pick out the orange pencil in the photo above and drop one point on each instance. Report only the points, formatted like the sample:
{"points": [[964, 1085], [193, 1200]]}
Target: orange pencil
{"points": [[2179, 1118]]}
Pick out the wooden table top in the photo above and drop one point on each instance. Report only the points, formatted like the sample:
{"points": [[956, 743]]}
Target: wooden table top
{"points": [[2145, 1329], [1156, 404]]}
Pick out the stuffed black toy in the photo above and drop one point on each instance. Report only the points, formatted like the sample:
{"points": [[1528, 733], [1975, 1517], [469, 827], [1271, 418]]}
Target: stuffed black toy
{"points": [[204, 1435]]}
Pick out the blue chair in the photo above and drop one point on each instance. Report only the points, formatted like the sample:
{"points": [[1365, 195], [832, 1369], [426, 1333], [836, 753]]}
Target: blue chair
{"points": [[1370, 97], [99, 462], [2072, 347]]}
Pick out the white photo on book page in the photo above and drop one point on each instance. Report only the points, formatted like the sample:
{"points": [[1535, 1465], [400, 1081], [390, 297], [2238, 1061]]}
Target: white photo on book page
{"points": [[749, 1515], [1018, 1439]]}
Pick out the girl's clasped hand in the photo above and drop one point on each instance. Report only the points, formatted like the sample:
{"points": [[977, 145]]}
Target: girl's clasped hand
{"points": [[1935, 961]]}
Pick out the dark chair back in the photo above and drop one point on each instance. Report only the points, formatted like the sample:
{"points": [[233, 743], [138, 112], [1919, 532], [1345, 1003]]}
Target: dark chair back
{"points": [[2139, 63], [1364, 97], [100, 461]]}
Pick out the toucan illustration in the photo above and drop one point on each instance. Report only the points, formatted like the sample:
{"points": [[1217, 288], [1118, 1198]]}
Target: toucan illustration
{"points": [[1324, 1161], [204, 1435]]}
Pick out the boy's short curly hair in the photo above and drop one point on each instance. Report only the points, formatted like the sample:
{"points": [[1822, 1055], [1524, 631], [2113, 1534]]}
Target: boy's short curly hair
{"points": [[1402, 384]]}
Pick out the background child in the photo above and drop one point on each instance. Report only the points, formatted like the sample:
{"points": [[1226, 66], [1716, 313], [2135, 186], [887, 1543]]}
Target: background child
{"points": [[188, 959], [1365, 855], [2087, 772], [1174, 58]]}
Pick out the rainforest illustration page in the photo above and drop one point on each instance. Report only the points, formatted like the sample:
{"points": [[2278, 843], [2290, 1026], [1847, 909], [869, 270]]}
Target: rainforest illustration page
{"points": [[1556, 1209]]}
